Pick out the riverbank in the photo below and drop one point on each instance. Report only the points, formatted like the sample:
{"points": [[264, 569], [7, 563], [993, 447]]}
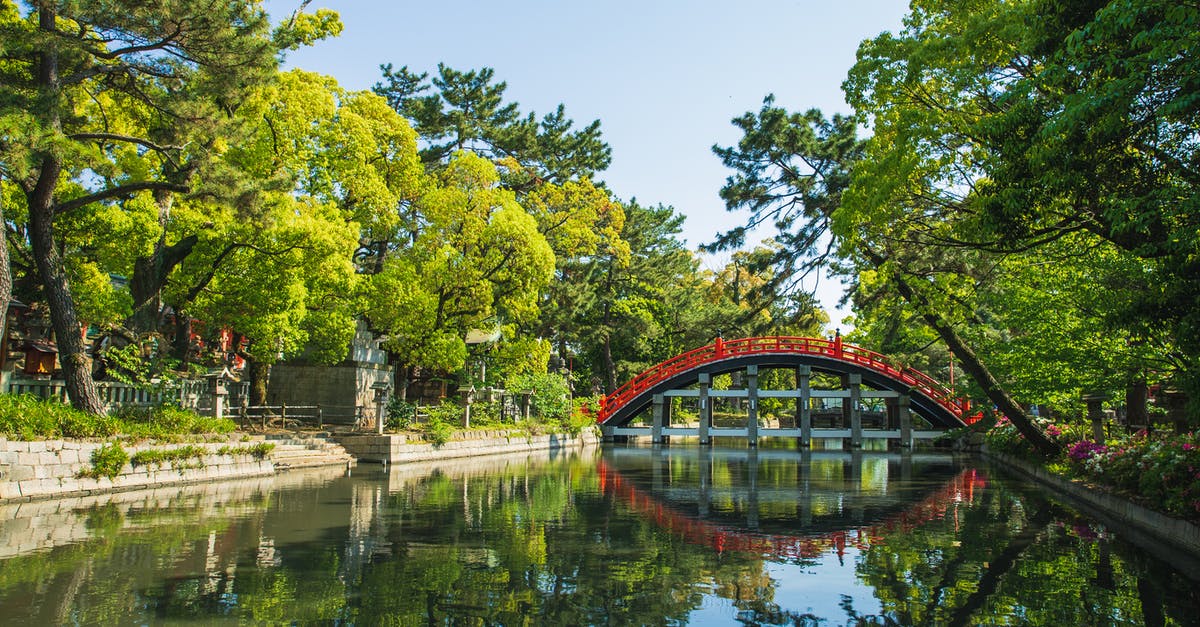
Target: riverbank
{"points": [[405, 448], [47, 469], [1170, 539]]}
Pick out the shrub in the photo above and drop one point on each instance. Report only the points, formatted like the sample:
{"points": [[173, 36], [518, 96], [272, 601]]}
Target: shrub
{"points": [[551, 394], [438, 431], [400, 414], [28, 417], [107, 461]]}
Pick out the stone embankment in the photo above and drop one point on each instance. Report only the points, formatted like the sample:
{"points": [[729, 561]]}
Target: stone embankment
{"points": [[28, 525], [58, 468], [405, 448]]}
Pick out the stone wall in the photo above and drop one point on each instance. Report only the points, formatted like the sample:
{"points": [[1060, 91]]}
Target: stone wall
{"points": [[337, 388], [51, 468], [27, 526], [403, 448]]}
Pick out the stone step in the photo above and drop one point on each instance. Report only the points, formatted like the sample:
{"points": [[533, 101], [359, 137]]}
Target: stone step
{"points": [[304, 452]]}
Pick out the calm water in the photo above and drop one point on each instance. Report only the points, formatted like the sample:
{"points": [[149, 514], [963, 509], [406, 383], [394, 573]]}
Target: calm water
{"points": [[617, 536]]}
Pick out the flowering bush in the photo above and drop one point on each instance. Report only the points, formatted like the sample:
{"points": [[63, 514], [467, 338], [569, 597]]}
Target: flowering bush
{"points": [[1163, 471], [1084, 450]]}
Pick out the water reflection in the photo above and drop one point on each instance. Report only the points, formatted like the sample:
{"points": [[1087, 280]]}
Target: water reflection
{"points": [[622, 536], [784, 504]]}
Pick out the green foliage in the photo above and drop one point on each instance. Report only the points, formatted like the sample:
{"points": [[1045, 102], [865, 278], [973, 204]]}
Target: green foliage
{"points": [[400, 413], [259, 451], [440, 427], [466, 111], [167, 420], [178, 457], [107, 461], [28, 417], [551, 400]]}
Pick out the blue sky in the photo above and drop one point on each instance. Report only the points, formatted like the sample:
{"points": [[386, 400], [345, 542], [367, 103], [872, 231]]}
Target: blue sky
{"points": [[663, 77]]}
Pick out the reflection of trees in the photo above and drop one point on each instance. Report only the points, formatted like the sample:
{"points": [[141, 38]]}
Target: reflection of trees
{"points": [[545, 544], [538, 545], [1002, 555]]}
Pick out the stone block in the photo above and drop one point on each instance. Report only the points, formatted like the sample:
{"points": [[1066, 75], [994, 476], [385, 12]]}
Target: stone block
{"points": [[37, 447], [9, 490], [8, 457]]}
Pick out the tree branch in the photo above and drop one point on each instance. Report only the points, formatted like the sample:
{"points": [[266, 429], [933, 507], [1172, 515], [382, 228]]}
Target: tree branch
{"points": [[120, 190]]}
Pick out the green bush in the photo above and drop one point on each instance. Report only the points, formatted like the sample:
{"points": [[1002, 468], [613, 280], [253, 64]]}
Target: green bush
{"points": [[551, 394], [438, 432], [401, 414], [168, 420], [107, 461]]}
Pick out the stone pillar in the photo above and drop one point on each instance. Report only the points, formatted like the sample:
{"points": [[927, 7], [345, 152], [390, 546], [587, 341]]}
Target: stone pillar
{"points": [[705, 409], [905, 416], [854, 383], [657, 412], [1095, 410], [752, 405], [804, 405]]}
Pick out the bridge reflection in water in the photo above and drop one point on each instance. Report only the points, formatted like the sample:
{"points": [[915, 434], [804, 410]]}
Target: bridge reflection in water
{"points": [[786, 505]]}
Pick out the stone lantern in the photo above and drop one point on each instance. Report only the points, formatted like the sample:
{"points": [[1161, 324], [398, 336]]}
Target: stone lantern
{"points": [[382, 391]]}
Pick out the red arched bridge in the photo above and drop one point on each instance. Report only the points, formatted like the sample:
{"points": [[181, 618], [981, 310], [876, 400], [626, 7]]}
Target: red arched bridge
{"points": [[901, 390]]}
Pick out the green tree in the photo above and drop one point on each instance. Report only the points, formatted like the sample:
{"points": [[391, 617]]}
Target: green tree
{"points": [[184, 60], [805, 174], [1007, 127], [479, 262], [466, 111]]}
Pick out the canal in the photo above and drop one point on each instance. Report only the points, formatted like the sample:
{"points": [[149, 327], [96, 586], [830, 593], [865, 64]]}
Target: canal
{"points": [[620, 536]]}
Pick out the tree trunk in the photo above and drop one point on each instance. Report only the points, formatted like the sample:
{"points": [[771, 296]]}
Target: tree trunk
{"points": [[6, 284], [259, 374], [182, 343], [972, 364], [149, 277], [72, 351]]}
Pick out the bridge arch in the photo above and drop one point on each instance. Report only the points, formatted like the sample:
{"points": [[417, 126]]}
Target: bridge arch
{"points": [[930, 399]]}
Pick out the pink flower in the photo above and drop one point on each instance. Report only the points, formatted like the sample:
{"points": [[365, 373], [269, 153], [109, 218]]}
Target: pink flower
{"points": [[1084, 450]]}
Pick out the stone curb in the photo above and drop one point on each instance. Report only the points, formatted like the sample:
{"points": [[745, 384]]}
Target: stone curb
{"points": [[397, 449]]}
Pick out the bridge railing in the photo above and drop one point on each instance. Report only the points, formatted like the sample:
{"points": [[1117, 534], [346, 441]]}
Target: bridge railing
{"points": [[835, 349]]}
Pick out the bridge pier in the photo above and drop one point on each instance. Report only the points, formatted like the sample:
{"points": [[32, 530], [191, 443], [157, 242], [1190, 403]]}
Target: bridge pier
{"points": [[852, 408], [804, 405], [706, 410], [752, 406], [660, 408]]}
